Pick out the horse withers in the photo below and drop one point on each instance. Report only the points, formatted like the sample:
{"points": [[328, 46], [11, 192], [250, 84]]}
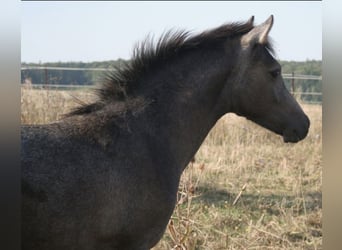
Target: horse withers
{"points": [[106, 176]]}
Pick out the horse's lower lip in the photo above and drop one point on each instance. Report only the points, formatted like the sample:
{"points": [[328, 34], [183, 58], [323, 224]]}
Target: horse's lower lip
{"points": [[293, 138]]}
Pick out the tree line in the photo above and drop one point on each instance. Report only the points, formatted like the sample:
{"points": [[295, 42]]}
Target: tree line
{"points": [[79, 77]]}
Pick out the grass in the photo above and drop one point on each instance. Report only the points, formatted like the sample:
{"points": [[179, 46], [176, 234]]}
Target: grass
{"points": [[245, 189]]}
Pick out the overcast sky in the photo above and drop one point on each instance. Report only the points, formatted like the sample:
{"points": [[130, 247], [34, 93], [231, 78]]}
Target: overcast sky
{"points": [[98, 31]]}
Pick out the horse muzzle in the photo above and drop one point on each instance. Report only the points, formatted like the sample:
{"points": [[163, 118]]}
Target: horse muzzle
{"points": [[297, 130]]}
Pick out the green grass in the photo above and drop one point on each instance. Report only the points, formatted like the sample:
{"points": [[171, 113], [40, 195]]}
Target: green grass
{"points": [[277, 186]]}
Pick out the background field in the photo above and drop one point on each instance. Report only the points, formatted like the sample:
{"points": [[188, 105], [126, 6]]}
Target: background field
{"points": [[245, 189]]}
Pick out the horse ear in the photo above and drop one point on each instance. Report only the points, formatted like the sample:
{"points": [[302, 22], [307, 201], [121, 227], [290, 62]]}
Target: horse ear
{"points": [[251, 20], [258, 34]]}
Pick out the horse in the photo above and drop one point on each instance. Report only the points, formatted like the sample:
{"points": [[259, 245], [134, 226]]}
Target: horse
{"points": [[106, 176]]}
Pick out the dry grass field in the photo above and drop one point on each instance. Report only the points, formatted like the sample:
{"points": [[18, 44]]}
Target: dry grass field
{"points": [[245, 189]]}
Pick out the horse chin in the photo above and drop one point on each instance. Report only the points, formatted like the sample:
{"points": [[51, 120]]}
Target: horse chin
{"points": [[291, 136], [292, 139]]}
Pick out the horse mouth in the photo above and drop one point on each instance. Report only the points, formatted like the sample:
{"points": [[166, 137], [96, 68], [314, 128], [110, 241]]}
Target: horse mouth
{"points": [[291, 138], [295, 135]]}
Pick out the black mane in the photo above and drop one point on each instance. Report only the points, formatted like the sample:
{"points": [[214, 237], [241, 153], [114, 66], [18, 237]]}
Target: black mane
{"points": [[119, 84]]}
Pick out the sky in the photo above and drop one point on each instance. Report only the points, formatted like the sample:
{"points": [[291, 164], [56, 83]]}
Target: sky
{"points": [[100, 31]]}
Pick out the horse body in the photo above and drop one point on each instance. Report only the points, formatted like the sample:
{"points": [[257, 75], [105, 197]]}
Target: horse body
{"points": [[106, 176], [126, 178], [91, 198]]}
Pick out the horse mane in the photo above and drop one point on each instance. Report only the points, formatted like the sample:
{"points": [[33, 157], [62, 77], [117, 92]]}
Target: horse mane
{"points": [[121, 83]]}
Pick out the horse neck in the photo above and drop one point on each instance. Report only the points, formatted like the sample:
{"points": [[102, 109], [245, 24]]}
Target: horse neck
{"points": [[182, 115]]}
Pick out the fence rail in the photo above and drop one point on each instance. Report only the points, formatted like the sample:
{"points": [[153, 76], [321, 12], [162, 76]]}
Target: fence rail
{"points": [[63, 68], [59, 86], [302, 77]]}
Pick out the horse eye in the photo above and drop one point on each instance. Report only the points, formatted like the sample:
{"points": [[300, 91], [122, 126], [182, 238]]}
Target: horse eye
{"points": [[275, 73]]}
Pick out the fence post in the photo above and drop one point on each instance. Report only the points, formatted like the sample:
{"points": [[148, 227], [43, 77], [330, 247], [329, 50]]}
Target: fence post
{"points": [[46, 78], [292, 83]]}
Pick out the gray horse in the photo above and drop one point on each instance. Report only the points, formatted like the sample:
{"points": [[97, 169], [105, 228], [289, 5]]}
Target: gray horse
{"points": [[106, 176]]}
